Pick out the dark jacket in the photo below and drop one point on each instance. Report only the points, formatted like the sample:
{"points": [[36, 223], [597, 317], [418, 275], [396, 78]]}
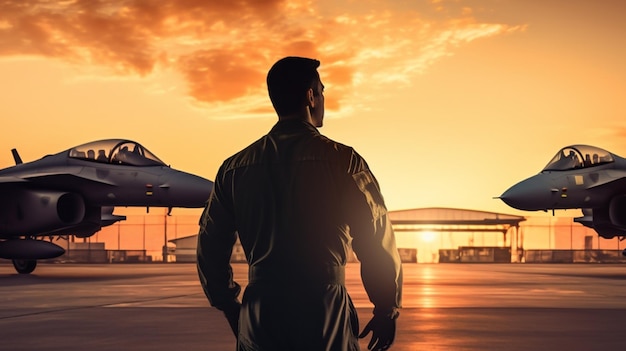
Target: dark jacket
{"points": [[298, 200]]}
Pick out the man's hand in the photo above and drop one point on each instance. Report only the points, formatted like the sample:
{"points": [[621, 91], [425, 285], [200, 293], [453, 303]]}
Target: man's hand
{"points": [[232, 315], [383, 328]]}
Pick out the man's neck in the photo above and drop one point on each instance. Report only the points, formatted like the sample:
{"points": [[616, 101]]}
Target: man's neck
{"points": [[303, 115]]}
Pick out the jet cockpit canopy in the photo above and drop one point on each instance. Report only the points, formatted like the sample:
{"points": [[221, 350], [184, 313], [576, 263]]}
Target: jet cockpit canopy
{"points": [[116, 151], [578, 156]]}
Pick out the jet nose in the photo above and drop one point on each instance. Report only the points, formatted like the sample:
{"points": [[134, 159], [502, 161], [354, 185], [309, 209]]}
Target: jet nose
{"points": [[531, 194], [511, 197], [188, 190]]}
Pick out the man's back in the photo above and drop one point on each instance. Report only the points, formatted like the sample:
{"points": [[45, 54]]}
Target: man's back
{"points": [[297, 200], [287, 190]]}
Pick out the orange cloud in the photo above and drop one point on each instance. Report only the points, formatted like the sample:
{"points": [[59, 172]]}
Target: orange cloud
{"points": [[220, 75], [125, 35], [132, 37], [224, 48]]}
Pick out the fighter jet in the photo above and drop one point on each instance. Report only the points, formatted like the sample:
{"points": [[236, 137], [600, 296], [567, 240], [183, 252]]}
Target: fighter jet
{"points": [[75, 191], [579, 176]]}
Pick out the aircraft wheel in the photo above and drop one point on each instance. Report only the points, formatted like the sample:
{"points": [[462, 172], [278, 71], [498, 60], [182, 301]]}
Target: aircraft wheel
{"points": [[24, 266]]}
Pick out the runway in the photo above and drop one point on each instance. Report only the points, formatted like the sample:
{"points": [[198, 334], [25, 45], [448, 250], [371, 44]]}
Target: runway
{"points": [[446, 307]]}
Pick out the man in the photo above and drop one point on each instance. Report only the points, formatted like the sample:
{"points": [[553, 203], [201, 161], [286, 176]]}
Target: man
{"points": [[297, 200]]}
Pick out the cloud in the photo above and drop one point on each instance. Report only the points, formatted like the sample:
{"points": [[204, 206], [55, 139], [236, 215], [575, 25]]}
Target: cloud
{"points": [[223, 48], [220, 75], [129, 36]]}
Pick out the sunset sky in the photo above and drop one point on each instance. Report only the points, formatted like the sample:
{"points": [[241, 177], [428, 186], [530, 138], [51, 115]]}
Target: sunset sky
{"points": [[450, 102]]}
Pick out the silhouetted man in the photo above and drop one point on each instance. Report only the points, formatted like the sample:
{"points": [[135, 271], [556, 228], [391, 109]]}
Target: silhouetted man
{"points": [[297, 200]]}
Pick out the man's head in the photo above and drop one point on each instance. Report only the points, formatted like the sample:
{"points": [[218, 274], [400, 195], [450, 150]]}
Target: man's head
{"points": [[296, 90]]}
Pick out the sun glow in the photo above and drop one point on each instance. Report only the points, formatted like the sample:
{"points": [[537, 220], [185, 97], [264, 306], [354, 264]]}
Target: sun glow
{"points": [[428, 236]]}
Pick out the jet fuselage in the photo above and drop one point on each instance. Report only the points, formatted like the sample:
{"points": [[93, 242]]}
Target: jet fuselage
{"points": [[578, 177]]}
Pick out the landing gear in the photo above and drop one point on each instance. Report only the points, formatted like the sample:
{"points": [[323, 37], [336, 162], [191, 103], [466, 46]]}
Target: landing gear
{"points": [[24, 266]]}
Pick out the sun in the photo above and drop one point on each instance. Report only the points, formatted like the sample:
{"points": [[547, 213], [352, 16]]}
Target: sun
{"points": [[428, 236]]}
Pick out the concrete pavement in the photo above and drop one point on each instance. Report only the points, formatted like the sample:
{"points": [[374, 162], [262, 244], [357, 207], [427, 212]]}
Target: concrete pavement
{"points": [[446, 307]]}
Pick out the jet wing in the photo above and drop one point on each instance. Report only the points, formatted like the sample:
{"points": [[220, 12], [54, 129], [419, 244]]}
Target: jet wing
{"points": [[11, 180], [66, 178], [56, 174], [611, 177], [60, 176]]}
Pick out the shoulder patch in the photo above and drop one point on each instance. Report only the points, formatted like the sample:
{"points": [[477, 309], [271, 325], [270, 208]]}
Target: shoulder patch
{"points": [[369, 187]]}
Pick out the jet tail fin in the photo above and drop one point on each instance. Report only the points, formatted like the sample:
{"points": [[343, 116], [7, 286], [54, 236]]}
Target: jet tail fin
{"points": [[16, 157]]}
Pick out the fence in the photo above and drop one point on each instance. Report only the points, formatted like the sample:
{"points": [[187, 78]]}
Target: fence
{"points": [[147, 238], [140, 238], [574, 256]]}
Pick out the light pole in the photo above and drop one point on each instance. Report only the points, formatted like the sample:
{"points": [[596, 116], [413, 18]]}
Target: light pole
{"points": [[165, 237]]}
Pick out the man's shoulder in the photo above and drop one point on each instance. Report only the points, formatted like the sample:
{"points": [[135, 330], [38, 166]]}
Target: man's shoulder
{"points": [[334, 145], [352, 160], [244, 156]]}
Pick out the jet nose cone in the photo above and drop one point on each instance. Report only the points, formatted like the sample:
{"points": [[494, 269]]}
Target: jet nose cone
{"points": [[188, 190], [531, 194], [511, 197]]}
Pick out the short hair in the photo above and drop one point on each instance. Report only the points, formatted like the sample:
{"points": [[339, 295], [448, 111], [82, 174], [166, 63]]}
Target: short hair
{"points": [[288, 80]]}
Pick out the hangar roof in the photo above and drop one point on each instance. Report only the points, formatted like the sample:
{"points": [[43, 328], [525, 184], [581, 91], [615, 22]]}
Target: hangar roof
{"points": [[452, 219]]}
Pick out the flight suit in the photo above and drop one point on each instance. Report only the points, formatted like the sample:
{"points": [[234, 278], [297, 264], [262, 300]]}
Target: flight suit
{"points": [[297, 200]]}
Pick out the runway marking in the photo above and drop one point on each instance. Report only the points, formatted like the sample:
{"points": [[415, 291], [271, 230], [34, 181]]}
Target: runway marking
{"points": [[116, 304], [556, 291]]}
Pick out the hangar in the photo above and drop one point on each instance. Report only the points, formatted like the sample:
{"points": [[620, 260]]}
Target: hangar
{"points": [[441, 220], [436, 220]]}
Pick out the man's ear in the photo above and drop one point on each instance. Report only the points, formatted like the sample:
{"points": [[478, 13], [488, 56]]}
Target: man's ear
{"points": [[310, 97]]}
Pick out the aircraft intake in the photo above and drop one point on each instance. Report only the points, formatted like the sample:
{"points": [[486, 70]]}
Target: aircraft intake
{"points": [[604, 225], [617, 211], [38, 211]]}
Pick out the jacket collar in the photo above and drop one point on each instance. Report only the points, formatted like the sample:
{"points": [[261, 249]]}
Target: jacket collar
{"points": [[294, 125]]}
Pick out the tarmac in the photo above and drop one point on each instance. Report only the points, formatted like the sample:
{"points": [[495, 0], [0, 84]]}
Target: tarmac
{"points": [[64, 307]]}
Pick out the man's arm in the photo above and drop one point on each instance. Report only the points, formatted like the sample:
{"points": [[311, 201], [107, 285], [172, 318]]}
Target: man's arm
{"points": [[375, 245], [374, 242], [215, 243]]}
